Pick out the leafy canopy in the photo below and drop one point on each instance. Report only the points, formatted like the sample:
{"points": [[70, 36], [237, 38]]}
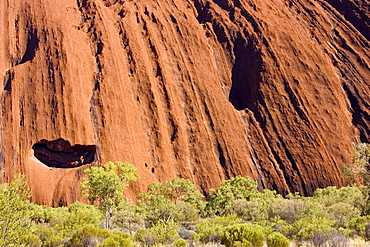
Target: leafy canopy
{"points": [[104, 185], [14, 211], [221, 199]]}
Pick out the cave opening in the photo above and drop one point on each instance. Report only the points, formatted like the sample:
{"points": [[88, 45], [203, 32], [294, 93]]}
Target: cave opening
{"points": [[60, 153]]}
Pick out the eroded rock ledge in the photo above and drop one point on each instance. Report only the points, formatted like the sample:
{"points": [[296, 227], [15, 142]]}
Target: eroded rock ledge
{"points": [[60, 154]]}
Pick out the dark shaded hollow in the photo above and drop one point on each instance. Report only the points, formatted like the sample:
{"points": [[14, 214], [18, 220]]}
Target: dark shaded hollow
{"points": [[60, 154]]}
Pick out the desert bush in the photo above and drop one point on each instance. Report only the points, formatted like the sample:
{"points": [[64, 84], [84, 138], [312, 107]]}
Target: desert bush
{"points": [[330, 238], [117, 239], [243, 235], [88, 235], [48, 236], [221, 199], [15, 211], [160, 233], [227, 220], [208, 232], [31, 240], [304, 229], [180, 243], [331, 195], [173, 200], [289, 210], [249, 210], [342, 213], [277, 239], [127, 219], [360, 226], [166, 233], [145, 236]]}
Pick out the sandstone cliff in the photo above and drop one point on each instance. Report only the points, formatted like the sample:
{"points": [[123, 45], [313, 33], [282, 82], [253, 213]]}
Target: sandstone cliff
{"points": [[202, 89]]}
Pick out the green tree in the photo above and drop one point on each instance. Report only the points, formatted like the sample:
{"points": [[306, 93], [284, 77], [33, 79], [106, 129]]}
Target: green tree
{"points": [[14, 211], [105, 185], [221, 200], [177, 199]]}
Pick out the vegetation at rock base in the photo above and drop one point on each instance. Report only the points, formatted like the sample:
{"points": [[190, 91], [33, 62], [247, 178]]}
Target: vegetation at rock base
{"points": [[104, 185], [175, 213]]}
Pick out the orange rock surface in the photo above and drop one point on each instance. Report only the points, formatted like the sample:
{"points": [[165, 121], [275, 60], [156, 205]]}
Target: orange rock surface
{"points": [[201, 89]]}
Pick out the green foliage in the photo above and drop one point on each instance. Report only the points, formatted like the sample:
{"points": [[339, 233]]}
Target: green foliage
{"points": [[277, 239], [160, 233], [105, 185], [82, 214], [145, 236], [243, 235], [177, 200], [166, 233], [342, 213], [15, 211], [87, 235], [208, 232], [329, 238], [288, 210], [349, 194], [360, 225], [127, 218], [306, 228], [227, 220], [250, 210], [42, 214], [48, 237], [31, 240], [117, 239], [180, 243], [221, 200]]}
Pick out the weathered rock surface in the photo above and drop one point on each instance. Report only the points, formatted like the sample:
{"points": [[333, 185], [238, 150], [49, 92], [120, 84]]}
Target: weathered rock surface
{"points": [[202, 89]]}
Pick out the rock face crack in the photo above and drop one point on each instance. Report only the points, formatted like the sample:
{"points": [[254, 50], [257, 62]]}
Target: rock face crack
{"points": [[60, 154]]}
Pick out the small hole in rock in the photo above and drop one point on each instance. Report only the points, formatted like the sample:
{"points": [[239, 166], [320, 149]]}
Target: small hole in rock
{"points": [[60, 154]]}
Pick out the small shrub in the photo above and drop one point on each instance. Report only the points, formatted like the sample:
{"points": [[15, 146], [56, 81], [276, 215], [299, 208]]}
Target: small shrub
{"points": [[330, 238], [48, 237], [243, 235], [208, 232], [166, 233], [127, 219], [288, 210], [146, 237], [88, 235], [342, 213], [221, 199], [276, 239], [249, 210], [31, 240], [117, 239], [180, 243], [360, 225]]}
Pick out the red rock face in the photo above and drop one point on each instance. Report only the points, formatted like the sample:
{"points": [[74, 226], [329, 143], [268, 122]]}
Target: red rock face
{"points": [[202, 89]]}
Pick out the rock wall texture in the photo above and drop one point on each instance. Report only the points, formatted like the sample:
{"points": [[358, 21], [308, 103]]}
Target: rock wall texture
{"points": [[202, 89]]}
